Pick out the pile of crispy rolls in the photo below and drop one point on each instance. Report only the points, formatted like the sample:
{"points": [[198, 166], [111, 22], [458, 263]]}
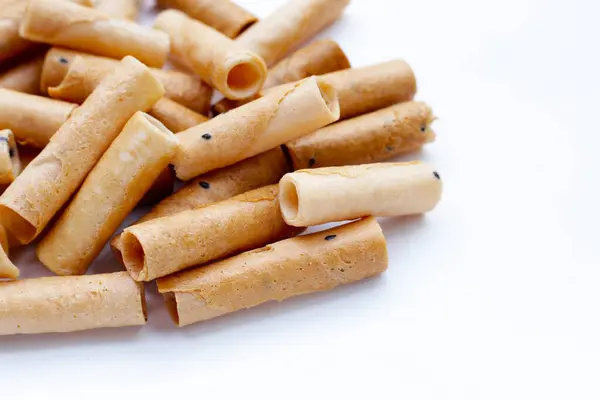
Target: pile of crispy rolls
{"points": [[92, 125]]}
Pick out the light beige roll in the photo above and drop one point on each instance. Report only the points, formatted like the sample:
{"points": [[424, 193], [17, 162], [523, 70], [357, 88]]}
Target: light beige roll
{"points": [[165, 245], [225, 65], [65, 79], [121, 9], [24, 77], [175, 116], [119, 180], [292, 267], [7, 269], [223, 15], [317, 196], [361, 90], [48, 182], [373, 137], [252, 173], [10, 163], [85, 74], [290, 26], [256, 127], [11, 44], [33, 119], [82, 28], [71, 303], [318, 58]]}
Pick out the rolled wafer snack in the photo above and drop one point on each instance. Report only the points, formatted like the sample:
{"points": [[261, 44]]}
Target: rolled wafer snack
{"points": [[256, 127], [224, 15], [252, 173], [225, 65], [290, 26], [162, 187], [301, 265], [316, 196], [111, 190], [7, 269], [64, 78], [56, 173], [175, 116], [33, 119], [82, 28], [11, 44], [361, 90], [165, 245], [121, 9], [373, 137], [10, 163], [71, 303], [318, 58], [85, 74], [24, 77]]}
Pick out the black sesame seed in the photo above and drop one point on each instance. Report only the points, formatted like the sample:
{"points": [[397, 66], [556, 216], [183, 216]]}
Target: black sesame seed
{"points": [[63, 60], [311, 162], [389, 148], [423, 128], [330, 237], [207, 136], [204, 185], [436, 175], [11, 153]]}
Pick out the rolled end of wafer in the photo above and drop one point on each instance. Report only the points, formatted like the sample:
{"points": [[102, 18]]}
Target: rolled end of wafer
{"points": [[245, 76], [133, 256]]}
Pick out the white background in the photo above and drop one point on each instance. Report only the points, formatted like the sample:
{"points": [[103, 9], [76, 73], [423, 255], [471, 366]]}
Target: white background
{"points": [[494, 295]]}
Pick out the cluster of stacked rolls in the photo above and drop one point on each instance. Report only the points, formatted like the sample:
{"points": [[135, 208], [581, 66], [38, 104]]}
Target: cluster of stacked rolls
{"points": [[298, 140]]}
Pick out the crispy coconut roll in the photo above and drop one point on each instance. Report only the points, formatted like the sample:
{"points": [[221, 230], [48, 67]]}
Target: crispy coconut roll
{"points": [[71, 303], [64, 80], [223, 15], [222, 184], [67, 24], [261, 125], [285, 269], [225, 65], [165, 245], [373, 137], [317, 196], [290, 26], [119, 180], [41, 190]]}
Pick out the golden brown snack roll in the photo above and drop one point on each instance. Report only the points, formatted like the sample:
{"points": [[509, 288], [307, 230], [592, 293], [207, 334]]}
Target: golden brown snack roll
{"points": [[222, 184], [292, 267], [288, 27], [71, 25], [317, 196], [41, 190], [33, 119], [373, 137], [225, 65], [360, 90], [223, 15], [256, 127], [73, 80], [175, 116], [109, 193], [77, 303], [165, 245]]}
